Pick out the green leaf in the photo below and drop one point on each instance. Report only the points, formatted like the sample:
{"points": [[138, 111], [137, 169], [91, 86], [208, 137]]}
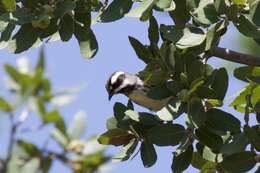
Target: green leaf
{"points": [[66, 27], [7, 33], [77, 126], [153, 31], [220, 83], [253, 136], [59, 137], [142, 117], [148, 154], [221, 122], [171, 111], [196, 112], [29, 148], [254, 6], [239, 2], [119, 111], [183, 38], [235, 144], [87, 41], [9, 5], [198, 161], [5, 106], [55, 117], [241, 98], [115, 137], [31, 166], [242, 73], [111, 123], [255, 97], [141, 51], [165, 5], [116, 10], [181, 13], [214, 34], [182, 160], [64, 8], [166, 134], [244, 161], [208, 167], [127, 151], [195, 72], [246, 27], [206, 13], [24, 39], [206, 137], [141, 10]]}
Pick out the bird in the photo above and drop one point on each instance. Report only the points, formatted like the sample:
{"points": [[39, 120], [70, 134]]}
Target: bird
{"points": [[134, 88]]}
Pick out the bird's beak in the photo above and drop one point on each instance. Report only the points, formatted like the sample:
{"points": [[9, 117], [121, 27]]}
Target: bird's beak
{"points": [[110, 95]]}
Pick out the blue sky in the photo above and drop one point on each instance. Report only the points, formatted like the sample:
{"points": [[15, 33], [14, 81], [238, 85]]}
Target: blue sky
{"points": [[67, 68]]}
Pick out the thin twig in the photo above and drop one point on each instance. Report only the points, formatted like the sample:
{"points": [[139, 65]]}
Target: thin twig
{"points": [[10, 144], [237, 57]]}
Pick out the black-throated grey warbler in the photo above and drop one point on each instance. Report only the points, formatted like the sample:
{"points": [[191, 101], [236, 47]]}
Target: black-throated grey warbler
{"points": [[134, 88]]}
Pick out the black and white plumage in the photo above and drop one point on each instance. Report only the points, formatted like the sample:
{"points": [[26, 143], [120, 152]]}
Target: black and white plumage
{"points": [[134, 88]]}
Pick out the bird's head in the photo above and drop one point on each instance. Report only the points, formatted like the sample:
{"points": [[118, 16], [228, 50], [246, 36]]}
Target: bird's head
{"points": [[115, 83]]}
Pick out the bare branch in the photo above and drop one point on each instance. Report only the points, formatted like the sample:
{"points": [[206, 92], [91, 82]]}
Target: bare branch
{"points": [[237, 57]]}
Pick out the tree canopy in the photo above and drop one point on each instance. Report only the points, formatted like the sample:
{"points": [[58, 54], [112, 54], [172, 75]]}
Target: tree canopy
{"points": [[212, 139]]}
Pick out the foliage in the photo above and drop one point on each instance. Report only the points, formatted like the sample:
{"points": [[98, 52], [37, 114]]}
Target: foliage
{"points": [[176, 64], [29, 93]]}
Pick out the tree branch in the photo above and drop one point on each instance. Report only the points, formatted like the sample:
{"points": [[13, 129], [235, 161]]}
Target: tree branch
{"points": [[237, 57]]}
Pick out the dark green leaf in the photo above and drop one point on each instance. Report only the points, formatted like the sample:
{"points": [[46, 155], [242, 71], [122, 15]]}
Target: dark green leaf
{"points": [[142, 117], [208, 138], [181, 13], [221, 122], [7, 33], [254, 6], [159, 92], [119, 111], [183, 38], [167, 134], [25, 38], [153, 31], [195, 72], [242, 73], [220, 83], [148, 154], [66, 27], [64, 7], [181, 161], [87, 41], [244, 161], [115, 137], [196, 112], [116, 10], [141, 51], [246, 27], [5, 106], [235, 144], [253, 136]]}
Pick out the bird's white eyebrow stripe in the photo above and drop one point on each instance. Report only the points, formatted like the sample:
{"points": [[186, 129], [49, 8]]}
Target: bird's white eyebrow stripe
{"points": [[115, 76]]}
